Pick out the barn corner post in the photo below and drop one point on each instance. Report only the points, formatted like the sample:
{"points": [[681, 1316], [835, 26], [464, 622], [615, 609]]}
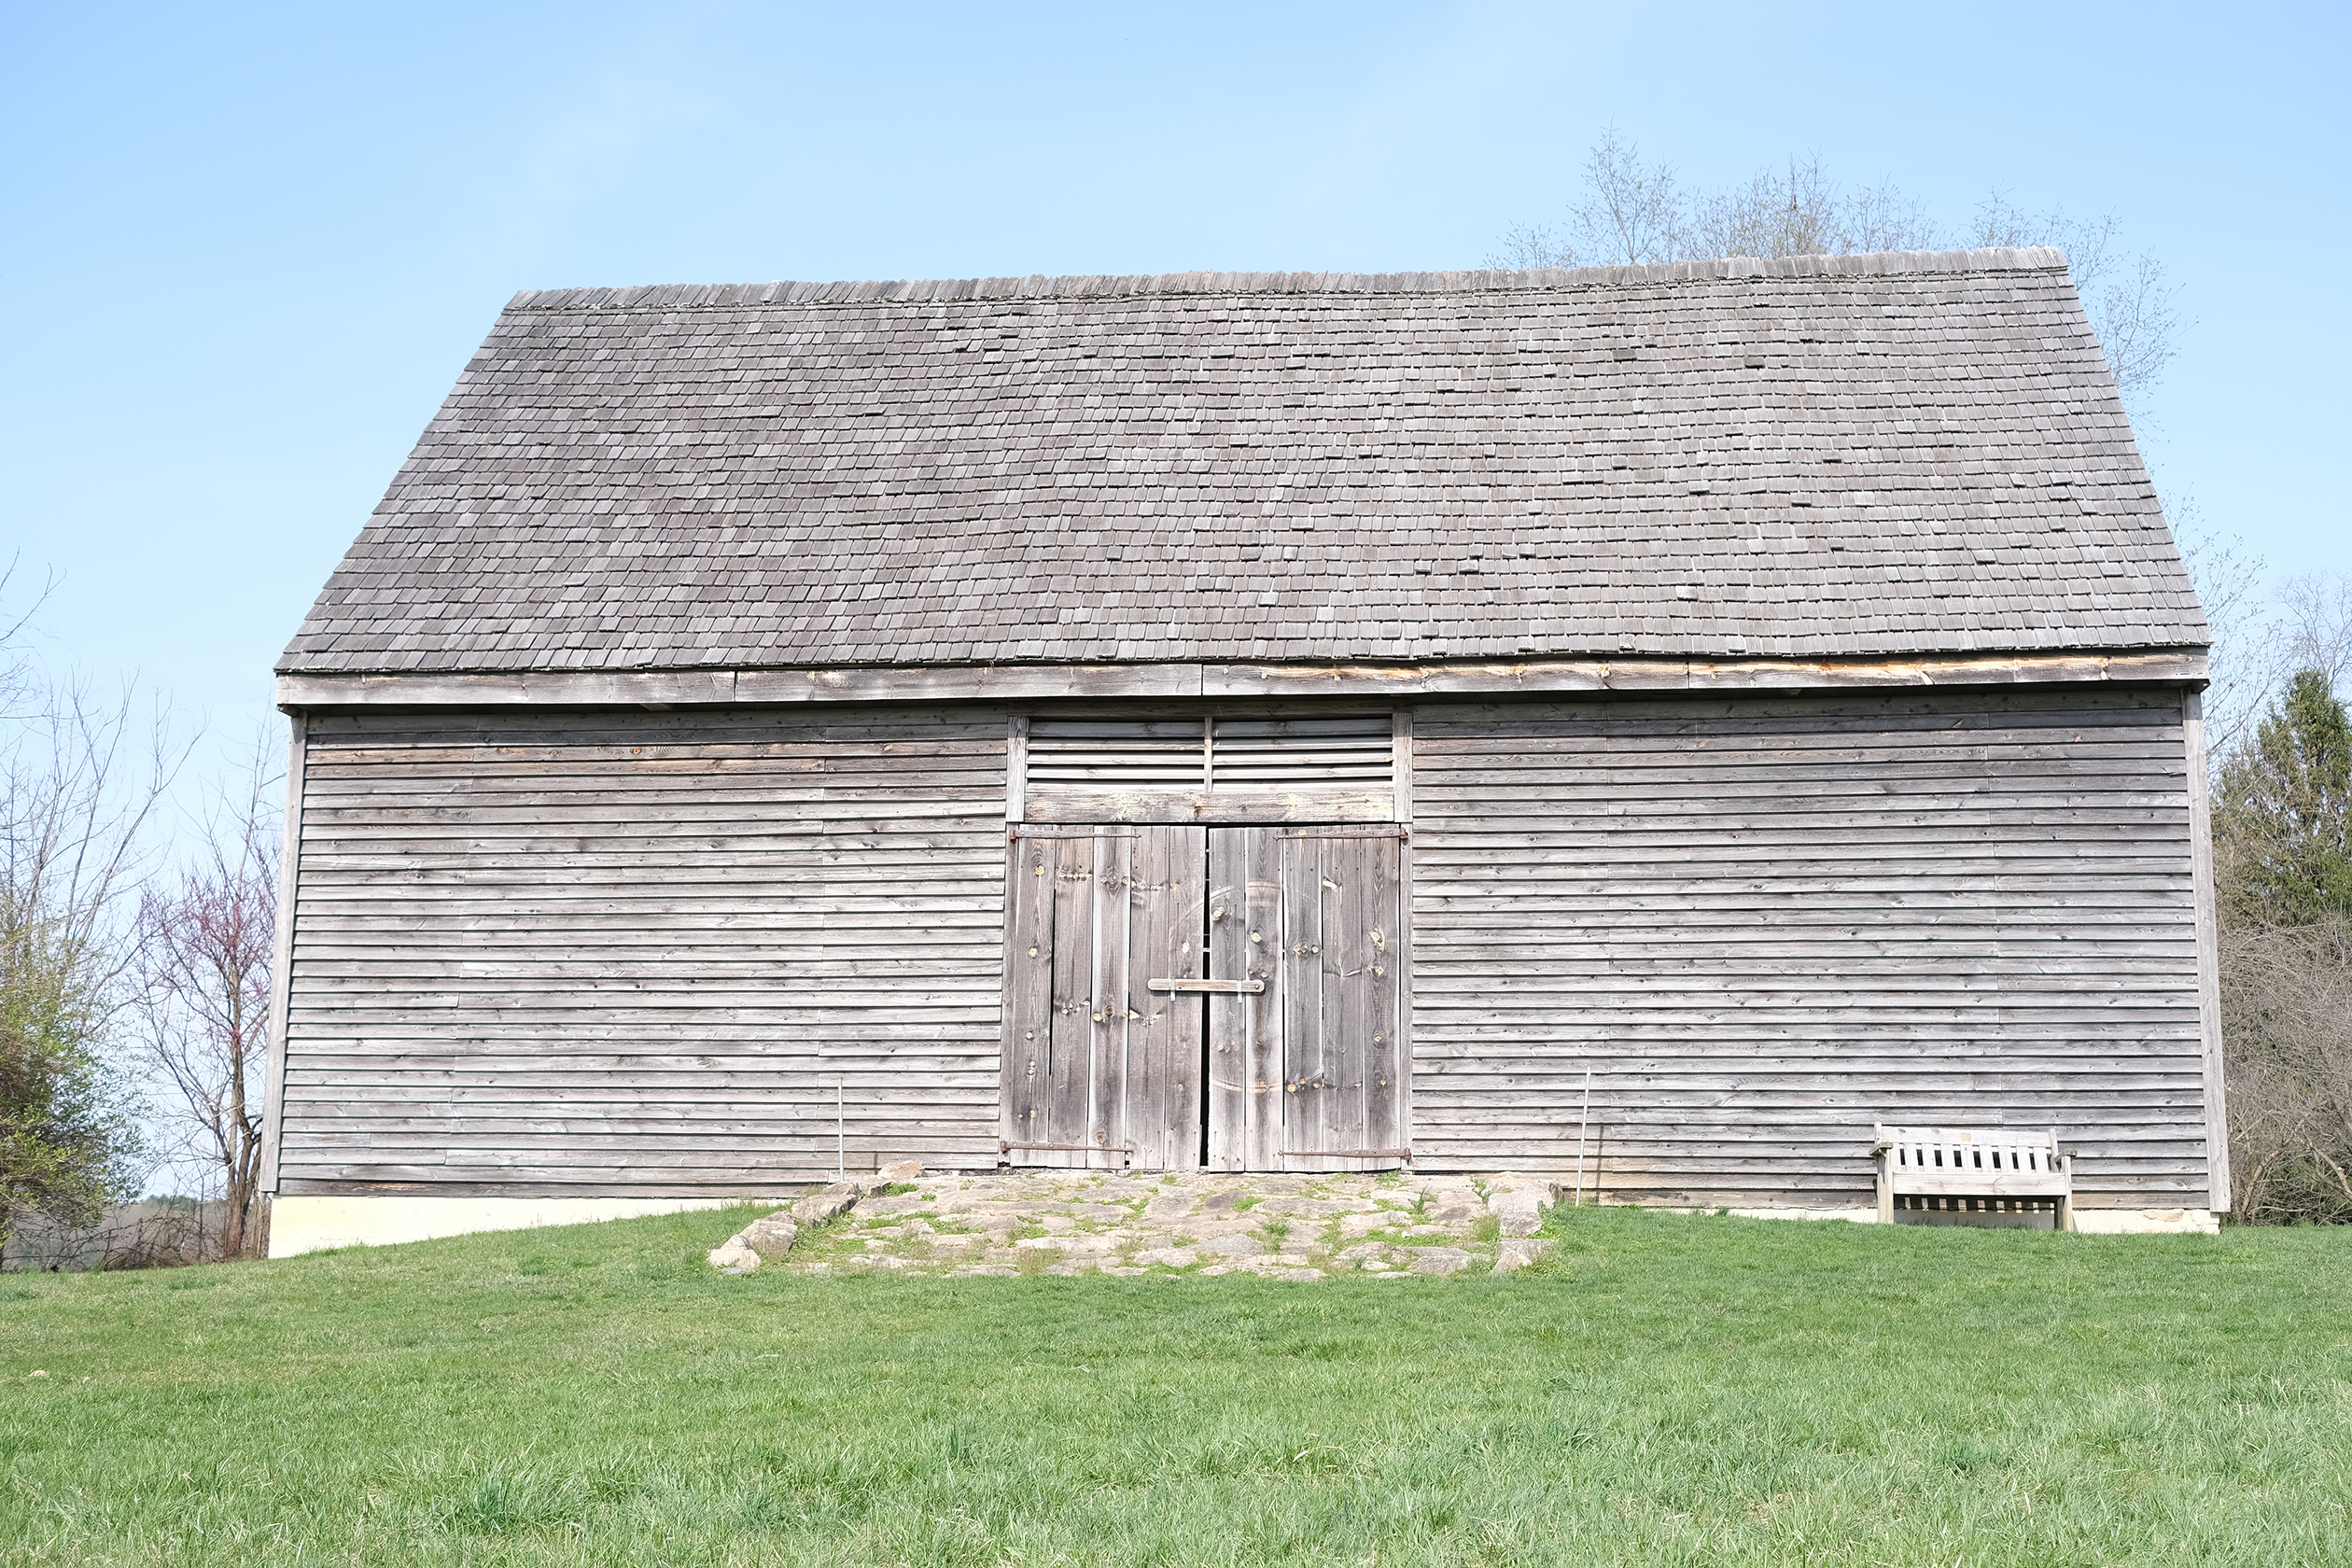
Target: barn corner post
{"points": [[1401, 772], [282, 955], [2208, 938], [1016, 731]]}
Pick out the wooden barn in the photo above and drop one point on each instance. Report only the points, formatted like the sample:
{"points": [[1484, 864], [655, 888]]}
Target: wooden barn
{"points": [[1254, 721]]}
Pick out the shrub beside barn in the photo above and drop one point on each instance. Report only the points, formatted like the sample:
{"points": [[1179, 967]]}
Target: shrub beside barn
{"points": [[1254, 721]]}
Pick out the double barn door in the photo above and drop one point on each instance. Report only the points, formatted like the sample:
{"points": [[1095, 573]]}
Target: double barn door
{"points": [[1230, 997]]}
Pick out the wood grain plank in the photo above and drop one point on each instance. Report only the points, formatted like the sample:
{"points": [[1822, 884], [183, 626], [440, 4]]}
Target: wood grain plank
{"points": [[1164, 1031], [1227, 1095], [1111, 1010]]}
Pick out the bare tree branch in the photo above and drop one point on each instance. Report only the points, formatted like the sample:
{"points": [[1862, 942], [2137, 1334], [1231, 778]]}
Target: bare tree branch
{"points": [[201, 977], [2317, 613], [2244, 659], [2287, 1028], [1637, 212], [78, 801]]}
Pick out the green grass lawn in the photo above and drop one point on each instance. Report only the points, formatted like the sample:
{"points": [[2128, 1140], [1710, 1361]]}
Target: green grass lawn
{"points": [[1667, 1389]]}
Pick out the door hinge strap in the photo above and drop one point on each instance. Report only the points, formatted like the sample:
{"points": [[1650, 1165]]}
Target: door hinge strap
{"points": [[1006, 1148], [1348, 1154], [1210, 987]]}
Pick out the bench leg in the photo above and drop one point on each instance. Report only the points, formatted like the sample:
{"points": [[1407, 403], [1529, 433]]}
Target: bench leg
{"points": [[1885, 1197]]}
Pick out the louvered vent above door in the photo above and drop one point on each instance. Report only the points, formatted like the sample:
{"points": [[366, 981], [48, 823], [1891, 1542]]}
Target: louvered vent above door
{"points": [[1327, 768], [1118, 754], [1356, 752]]}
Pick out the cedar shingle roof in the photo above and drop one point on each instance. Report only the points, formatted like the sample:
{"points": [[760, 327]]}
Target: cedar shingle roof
{"points": [[1900, 453]]}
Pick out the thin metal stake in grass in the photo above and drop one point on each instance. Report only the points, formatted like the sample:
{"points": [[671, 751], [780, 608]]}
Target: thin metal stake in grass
{"points": [[1582, 1116]]}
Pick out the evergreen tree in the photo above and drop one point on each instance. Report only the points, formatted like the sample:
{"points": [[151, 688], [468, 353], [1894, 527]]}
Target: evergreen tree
{"points": [[2283, 825]]}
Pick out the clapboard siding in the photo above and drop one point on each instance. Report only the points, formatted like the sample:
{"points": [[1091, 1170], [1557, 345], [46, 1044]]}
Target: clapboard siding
{"points": [[1765, 924], [632, 953]]}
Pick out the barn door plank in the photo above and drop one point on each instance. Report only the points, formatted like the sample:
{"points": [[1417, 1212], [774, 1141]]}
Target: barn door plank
{"points": [[1075, 1031], [1349, 1045], [1031, 1093], [1300, 980], [1162, 1095], [1070, 1020], [1386, 1076], [1108, 1004], [1341, 899], [1245, 1031]]}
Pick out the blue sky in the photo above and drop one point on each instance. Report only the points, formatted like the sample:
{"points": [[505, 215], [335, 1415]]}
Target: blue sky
{"points": [[250, 249]]}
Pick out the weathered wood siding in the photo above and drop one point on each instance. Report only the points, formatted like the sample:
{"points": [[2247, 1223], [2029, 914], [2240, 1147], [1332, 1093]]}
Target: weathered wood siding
{"points": [[631, 953], [1765, 924]]}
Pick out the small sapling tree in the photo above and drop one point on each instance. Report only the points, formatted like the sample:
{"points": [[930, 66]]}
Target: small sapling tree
{"points": [[206, 943]]}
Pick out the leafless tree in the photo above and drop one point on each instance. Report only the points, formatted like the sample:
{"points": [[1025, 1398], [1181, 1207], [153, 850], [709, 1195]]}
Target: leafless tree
{"points": [[2132, 304], [1631, 214], [82, 780], [2287, 1019], [1801, 212], [2258, 640], [2317, 613], [2244, 663], [1634, 212], [199, 978]]}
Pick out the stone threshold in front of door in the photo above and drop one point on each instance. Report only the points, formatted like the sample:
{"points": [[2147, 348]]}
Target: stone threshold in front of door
{"points": [[1291, 1227]]}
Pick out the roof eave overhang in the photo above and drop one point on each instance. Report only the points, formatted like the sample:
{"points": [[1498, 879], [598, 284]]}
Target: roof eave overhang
{"points": [[1370, 680]]}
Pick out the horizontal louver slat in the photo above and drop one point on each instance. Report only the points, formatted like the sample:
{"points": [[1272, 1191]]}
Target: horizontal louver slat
{"points": [[1290, 753], [1326, 769], [1124, 753], [1283, 753]]}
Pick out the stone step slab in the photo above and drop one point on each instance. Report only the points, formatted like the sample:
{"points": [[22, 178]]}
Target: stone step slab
{"points": [[1064, 1223]]}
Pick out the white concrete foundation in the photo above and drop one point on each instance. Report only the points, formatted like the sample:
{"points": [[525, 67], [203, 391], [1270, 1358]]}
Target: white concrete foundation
{"points": [[2088, 1222], [311, 1224], [2147, 1222]]}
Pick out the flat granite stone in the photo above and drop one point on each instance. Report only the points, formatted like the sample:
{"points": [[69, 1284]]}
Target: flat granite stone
{"points": [[1440, 1260]]}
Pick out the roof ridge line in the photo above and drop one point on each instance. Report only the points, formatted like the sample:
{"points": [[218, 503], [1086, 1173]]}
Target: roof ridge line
{"points": [[1885, 263]]}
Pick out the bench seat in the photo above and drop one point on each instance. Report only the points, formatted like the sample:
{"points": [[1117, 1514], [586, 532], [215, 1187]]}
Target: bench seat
{"points": [[1973, 1162]]}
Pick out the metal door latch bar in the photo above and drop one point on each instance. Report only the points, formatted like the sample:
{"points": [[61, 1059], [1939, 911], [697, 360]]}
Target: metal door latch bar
{"points": [[1210, 987]]}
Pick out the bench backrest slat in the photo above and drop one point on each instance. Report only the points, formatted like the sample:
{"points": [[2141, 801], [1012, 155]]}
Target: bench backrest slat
{"points": [[1973, 1149]]}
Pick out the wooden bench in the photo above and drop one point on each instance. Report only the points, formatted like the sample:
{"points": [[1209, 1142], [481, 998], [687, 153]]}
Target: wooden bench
{"points": [[1980, 1163]]}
